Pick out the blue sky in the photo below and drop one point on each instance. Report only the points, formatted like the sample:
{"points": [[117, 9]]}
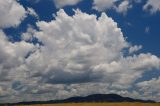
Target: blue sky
{"points": [[59, 49]]}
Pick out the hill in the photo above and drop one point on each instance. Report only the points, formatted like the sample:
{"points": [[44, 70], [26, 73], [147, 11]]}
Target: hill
{"points": [[90, 98]]}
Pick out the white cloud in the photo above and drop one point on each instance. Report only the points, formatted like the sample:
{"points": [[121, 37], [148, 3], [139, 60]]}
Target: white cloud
{"points": [[152, 6], [91, 55], [28, 35], [102, 5], [79, 51], [32, 12], [151, 88], [123, 7], [82, 47], [12, 55], [88, 57], [135, 48], [12, 13], [62, 3], [152, 85]]}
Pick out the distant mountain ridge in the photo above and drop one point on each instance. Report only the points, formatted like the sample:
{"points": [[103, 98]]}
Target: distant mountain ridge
{"points": [[90, 98]]}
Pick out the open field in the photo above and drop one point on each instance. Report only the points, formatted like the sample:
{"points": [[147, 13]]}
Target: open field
{"points": [[100, 104]]}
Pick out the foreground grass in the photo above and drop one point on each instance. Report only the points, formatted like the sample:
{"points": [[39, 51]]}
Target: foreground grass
{"points": [[99, 104]]}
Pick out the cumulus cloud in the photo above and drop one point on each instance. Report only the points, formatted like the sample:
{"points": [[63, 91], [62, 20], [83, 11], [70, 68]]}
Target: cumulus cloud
{"points": [[151, 87], [121, 6], [12, 55], [12, 58], [152, 6], [28, 35], [102, 5], [135, 48], [90, 55], [76, 54], [62, 3], [10, 51], [12, 13], [79, 43]]}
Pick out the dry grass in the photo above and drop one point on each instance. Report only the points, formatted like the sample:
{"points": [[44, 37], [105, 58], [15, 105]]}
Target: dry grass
{"points": [[100, 104]]}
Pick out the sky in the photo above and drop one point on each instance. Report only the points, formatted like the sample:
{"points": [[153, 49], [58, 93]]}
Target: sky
{"points": [[55, 49]]}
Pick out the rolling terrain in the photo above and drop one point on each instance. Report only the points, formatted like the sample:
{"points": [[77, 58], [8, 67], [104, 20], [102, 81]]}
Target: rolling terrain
{"points": [[99, 104], [95, 99]]}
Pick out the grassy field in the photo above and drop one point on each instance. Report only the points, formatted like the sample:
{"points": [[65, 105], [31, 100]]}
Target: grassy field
{"points": [[101, 104]]}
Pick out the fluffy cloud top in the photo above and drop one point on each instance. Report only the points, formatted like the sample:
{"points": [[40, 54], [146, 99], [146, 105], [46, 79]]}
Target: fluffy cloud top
{"points": [[62, 3], [152, 6], [81, 53], [76, 52], [12, 54], [102, 5], [121, 6], [12, 13]]}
